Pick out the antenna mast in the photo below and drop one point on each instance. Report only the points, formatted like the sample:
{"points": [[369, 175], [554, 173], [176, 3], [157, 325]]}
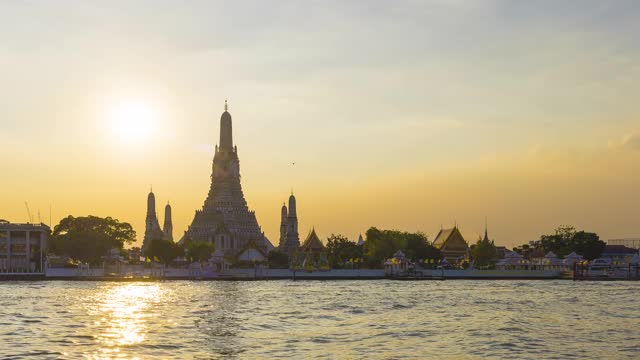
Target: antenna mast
{"points": [[30, 217]]}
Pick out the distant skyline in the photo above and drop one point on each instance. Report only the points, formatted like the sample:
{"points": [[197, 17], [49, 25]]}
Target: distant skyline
{"points": [[406, 114]]}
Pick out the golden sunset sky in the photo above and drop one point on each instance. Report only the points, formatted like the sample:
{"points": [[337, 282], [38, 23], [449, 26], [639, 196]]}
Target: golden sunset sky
{"points": [[398, 114]]}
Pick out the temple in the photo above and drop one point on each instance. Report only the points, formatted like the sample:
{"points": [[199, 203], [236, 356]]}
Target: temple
{"points": [[152, 229], [225, 219], [167, 228], [452, 244], [312, 244], [289, 238], [313, 253], [486, 232]]}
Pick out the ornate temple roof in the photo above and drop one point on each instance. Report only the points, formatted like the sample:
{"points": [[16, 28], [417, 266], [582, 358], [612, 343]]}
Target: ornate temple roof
{"points": [[252, 245], [267, 243], [450, 238], [312, 242]]}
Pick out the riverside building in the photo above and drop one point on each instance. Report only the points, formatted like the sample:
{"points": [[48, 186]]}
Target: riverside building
{"points": [[22, 247], [452, 244]]}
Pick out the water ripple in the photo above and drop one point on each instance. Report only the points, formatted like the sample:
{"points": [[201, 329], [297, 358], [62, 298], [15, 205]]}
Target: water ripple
{"points": [[320, 319]]}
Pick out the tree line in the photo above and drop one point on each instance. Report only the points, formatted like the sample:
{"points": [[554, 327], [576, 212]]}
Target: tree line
{"points": [[89, 239], [565, 240]]}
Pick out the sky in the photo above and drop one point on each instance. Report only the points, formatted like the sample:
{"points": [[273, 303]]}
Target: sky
{"points": [[408, 115]]}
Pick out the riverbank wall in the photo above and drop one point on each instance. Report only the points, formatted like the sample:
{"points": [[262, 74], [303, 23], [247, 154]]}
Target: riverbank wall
{"points": [[153, 274]]}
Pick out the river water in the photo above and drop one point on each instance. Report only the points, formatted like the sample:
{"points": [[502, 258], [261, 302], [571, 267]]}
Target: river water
{"points": [[379, 319]]}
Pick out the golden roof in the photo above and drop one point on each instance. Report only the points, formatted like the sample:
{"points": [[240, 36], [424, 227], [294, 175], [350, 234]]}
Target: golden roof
{"points": [[450, 238], [312, 242]]}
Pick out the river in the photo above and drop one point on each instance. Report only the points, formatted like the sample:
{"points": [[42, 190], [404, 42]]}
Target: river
{"points": [[378, 319]]}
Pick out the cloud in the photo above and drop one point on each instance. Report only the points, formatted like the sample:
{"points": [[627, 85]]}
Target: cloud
{"points": [[628, 142], [631, 141]]}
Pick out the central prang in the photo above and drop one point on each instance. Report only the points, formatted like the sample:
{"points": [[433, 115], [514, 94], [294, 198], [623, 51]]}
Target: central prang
{"points": [[225, 219]]}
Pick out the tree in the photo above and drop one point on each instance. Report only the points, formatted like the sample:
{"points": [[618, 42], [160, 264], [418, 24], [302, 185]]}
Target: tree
{"points": [[340, 251], [382, 244], [560, 242], [588, 245], [483, 253], [523, 250], [164, 250], [419, 248], [199, 251], [277, 260], [89, 238], [566, 240]]}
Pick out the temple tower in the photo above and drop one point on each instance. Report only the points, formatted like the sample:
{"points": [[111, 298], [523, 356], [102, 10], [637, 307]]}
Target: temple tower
{"points": [[289, 239], [168, 224], [152, 229], [225, 219], [292, 222], [283, 226]]}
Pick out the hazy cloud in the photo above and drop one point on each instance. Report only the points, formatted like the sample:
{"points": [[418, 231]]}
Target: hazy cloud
{"points": [[631, 141]]}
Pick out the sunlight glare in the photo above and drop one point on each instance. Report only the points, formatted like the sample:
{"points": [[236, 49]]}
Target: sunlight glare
{"points": [[132, 120], [123, 313]]}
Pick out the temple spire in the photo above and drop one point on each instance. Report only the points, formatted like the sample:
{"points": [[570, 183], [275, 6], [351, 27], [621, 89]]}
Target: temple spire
{"points": [[289, 227], [486, 230], [168, 223], [151, 204], [292, 206], [226, 133], [152, 229]]}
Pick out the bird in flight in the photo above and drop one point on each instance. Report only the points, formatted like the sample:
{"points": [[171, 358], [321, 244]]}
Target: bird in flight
{"points": [[293, 163]]}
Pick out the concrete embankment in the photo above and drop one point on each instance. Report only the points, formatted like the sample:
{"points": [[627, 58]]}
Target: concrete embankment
{"points": [[155, 274]]}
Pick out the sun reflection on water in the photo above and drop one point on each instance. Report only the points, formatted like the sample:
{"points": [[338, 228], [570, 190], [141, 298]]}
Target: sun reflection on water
{"points": [[121, 312]]}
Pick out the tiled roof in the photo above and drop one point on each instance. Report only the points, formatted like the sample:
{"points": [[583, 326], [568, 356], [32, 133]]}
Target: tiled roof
{"points": [[312, 242], [442, 237]]}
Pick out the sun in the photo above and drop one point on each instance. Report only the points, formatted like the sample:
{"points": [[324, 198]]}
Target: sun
{"points": [[132, 120]]}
